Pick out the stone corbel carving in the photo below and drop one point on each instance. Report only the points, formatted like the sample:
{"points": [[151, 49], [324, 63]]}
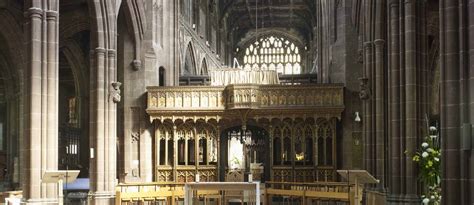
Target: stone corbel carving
{"points": [[364, 93], [136, 64], [114, 95], [135, 137], [360, 56]]}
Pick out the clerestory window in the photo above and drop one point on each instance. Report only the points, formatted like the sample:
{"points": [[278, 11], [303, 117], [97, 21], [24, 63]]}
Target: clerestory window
{"points": [[273, 53]]}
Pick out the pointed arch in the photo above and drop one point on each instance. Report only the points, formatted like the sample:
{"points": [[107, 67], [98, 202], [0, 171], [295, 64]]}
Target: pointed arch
{"points": [[10, 44], [204, 68], [189, 65]]}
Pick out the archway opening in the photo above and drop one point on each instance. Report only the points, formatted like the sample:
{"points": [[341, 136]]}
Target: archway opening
{"points": [[189, 67], [161, 76], [73, 115], [245, 150]]}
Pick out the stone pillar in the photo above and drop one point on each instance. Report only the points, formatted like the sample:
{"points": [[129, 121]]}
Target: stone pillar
{"points": [[411, 101], [103, 127], [470, 89], [379, 100], [40, 145], [394, 106], [450, 102], [367, 109], [104, 94]]}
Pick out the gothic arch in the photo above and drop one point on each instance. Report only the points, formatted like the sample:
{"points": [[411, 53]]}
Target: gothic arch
{"points": [[103, 21], [72, 51], [204, 67], [11, 49], [188, 65], [71, 25], [134, 13]]}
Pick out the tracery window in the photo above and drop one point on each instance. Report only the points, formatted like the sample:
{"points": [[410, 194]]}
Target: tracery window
{"points": [[325, 146], [273, 53]]}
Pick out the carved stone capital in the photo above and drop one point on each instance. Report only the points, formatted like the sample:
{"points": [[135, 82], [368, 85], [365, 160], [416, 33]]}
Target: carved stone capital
{"points": [[99, 50], [34, 12], [111, 53], [51, 15], [368, 45], [379, 42]]}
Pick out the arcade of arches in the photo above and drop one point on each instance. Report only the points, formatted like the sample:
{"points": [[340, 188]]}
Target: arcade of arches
{"points": [[138, 91]]}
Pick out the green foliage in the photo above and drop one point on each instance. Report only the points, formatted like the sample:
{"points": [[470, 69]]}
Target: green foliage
{"points": [[428, 159]]}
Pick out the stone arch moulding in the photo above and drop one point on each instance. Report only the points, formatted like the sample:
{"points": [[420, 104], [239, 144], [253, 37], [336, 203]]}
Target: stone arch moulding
{"points": [[135, 18], [72, 52], [13, 46], [192, 53]]}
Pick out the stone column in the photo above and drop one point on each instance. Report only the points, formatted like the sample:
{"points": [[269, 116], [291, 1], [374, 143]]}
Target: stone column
{"points": [[104, 94], [411, 108], [379, 100], [367, 109], [450, 100], [40, 146], [470, 69], [394, 106]]}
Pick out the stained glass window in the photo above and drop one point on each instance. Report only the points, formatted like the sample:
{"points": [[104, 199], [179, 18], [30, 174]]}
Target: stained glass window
{"points": [[273, 53]]}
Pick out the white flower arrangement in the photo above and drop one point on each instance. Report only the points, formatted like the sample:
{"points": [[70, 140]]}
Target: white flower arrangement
{"points": [[425, 154], [428, 160]]}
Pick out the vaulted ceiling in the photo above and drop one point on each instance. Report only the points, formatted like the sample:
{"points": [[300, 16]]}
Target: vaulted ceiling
{"points": [[243, 15]]}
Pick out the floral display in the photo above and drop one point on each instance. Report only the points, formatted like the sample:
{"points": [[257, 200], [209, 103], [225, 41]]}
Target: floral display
{"points": [[428, 160]]}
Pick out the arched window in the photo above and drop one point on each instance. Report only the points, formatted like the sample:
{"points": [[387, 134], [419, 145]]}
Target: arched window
{"points": [[273, 53], [189, 64], [321, 152], [309, 146], [299, 154], [161, 76], [329, 145], [181, 147], [287, 146], [204, 67], [277, 146]]}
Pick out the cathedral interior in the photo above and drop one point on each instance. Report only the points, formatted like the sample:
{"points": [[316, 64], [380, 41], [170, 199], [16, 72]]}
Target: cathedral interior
{"points": [[151, 98]]}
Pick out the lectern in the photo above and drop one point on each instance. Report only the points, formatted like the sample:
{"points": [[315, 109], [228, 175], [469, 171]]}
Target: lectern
{"points": [[358, 178], [60, 177]]}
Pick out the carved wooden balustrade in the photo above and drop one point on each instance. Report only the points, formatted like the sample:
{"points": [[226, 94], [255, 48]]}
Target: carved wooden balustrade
{"points": [[216, 102]]}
